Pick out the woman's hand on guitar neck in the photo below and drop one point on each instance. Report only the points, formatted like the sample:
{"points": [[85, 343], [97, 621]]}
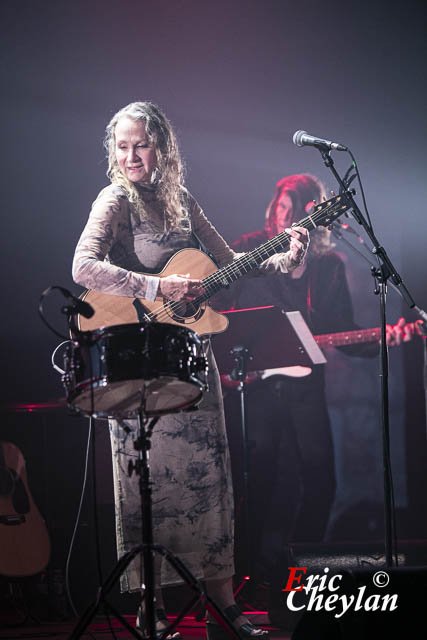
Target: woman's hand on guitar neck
{"points": [[298, 245], [180, 287], [402, 332]]}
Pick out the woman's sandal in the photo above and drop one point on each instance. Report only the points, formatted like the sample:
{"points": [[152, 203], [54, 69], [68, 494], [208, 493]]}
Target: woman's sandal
{"points": [[246, 630], [159, 616]]}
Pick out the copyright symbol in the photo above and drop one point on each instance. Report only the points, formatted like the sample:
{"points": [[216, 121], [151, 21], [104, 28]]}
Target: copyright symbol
{"points": [[381, 579]]}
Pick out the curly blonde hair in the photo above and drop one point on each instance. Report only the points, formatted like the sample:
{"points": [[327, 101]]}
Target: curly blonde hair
{"points": [[302, 189], [169, 173]]}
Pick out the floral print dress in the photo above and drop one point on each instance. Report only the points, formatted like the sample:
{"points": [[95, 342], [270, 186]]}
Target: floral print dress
{"points": [[189, 459]]}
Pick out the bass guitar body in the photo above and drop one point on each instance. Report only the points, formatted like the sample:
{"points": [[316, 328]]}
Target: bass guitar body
{"points": [[200, 317], [24, 540]]}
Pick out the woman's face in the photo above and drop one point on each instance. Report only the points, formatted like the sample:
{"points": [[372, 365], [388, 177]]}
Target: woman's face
{"points": [[135, 157], [284, 212]]}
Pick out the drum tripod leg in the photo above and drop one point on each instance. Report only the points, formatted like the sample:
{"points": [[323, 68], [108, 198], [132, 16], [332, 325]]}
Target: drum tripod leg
{"points": [[148, 548]]}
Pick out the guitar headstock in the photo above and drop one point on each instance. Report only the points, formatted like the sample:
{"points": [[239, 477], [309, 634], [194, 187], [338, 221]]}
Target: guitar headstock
{"points": [[326, 212]]}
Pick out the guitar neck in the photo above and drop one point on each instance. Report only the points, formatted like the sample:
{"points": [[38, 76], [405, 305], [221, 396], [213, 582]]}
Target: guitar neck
{"points": [[321, 216], [348, 337], [245, 264], [356, 337]]}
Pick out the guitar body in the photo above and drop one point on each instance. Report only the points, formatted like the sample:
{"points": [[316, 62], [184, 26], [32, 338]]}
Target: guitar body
{"points": [[24, 540], [114, 310]]}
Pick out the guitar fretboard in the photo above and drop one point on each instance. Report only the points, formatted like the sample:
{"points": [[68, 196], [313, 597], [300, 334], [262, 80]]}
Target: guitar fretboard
{"points": [[323, 215], [348, 337]]}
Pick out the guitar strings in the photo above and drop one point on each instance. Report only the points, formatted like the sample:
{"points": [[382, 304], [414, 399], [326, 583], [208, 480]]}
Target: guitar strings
{"points": [[212, 283], [278, 241]]}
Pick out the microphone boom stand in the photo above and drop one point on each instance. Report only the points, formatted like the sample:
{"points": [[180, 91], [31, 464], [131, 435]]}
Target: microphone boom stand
{"points": [[381, 274]]}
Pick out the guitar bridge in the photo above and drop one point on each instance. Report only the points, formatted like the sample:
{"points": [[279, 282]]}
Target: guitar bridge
{"points": [[140, 311]]}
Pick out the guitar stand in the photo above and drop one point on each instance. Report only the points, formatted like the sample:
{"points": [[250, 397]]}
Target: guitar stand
{"points": [[19, 600], [148, 548]]}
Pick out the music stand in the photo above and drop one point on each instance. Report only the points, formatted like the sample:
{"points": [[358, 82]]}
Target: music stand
{"points": [[275, 338], [258, 339]]}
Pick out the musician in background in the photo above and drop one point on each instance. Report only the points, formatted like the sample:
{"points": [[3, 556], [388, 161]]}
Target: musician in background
{"points": [[136, 225], [291, 475]]}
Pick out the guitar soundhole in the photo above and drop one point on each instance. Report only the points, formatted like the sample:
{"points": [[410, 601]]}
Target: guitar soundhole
{"points": [[184, 312], [7, 482], [12, 485]]}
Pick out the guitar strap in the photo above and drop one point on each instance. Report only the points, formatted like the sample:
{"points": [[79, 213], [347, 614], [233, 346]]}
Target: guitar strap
{"points": [[121, 192], [188, 224], [203, 248]]}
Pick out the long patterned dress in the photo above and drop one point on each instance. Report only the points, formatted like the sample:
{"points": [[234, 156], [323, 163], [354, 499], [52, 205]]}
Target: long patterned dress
{"points": [[189, 459]]}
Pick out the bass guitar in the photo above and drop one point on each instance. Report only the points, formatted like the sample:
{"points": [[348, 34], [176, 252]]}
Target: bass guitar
{"points": [[24, 540], [197, 314], [340, 339]]}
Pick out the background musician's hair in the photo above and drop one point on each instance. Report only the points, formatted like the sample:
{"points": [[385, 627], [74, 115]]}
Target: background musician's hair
{"points": [[303, 189]]}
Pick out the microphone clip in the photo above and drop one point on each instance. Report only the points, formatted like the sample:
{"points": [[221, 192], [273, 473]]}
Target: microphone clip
{"points": [[70, 310]]}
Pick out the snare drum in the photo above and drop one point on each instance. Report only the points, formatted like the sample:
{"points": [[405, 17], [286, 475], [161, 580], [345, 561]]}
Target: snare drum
{"points": [[117, 371]]}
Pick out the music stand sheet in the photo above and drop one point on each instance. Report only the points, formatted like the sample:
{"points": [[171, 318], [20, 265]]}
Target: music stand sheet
{"points": [[274, 339]]}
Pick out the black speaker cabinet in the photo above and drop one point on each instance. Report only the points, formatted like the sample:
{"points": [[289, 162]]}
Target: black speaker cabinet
{"points": [[381, 604], [359, 587]]}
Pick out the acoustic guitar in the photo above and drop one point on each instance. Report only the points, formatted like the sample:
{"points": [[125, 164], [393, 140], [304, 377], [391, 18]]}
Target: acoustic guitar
{"points": [[24, 540], [197, 314]]}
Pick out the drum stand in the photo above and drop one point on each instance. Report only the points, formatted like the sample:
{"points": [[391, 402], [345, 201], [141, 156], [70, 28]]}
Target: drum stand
{"points": [[242, 356], [148, 548]]}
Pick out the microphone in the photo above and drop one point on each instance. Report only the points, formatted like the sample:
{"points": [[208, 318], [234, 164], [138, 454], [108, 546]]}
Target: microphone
{"points": [[302, 138], [76, 305], [337, 227], [349, 229]]}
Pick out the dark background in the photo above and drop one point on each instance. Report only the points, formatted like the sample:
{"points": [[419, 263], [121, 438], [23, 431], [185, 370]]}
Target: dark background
{"points": [[237, 79]]}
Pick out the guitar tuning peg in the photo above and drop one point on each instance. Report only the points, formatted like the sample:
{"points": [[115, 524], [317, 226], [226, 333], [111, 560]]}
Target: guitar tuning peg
{"points": [[333, 193]]}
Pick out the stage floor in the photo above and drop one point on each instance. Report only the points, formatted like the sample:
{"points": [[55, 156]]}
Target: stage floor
{"points": [[190, 629]]}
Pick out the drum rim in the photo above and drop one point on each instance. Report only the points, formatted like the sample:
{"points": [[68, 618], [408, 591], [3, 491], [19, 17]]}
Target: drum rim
{"points": [[190, 368], [139, 327], [190, 404]]}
